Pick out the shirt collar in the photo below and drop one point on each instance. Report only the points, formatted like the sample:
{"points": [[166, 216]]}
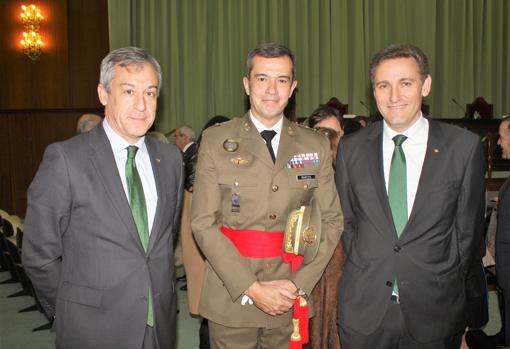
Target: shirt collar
{"points": [[260, 127], [414, 133], [187, 146], [118, 143]]}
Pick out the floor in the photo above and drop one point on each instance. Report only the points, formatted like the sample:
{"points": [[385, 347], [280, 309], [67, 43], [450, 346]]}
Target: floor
{"points": [[15, 328]]}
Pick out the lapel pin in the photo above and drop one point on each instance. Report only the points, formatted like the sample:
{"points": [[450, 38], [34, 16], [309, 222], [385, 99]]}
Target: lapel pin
{"points": [[436, 150], [158, 160], [291, 131], [246, 126]]}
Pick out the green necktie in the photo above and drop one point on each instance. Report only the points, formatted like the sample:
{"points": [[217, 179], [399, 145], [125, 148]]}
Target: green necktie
{"points": [[397, 190], [397, 185], [139, 210]]}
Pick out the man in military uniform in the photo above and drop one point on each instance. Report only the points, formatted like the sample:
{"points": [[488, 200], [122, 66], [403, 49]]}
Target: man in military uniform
{"points": [[251, 173]]}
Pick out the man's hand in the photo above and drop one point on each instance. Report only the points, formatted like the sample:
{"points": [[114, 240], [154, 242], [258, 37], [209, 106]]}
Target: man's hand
{"points": [[273, 297]]}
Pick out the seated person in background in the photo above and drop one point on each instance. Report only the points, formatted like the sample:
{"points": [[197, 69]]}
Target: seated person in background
{"points": [[86, 122], [326, 116]]}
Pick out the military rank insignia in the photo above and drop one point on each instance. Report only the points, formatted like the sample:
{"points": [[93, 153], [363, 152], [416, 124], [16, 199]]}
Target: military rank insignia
{"points": [[300, 160]]}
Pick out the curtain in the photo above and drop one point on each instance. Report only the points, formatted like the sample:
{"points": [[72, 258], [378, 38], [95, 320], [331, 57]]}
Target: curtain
{"points": [[202, 47]]}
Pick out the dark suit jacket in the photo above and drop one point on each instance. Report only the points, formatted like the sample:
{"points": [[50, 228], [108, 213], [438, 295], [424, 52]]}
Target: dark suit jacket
{"points": [[503, 237], [189, 158], [82, 250], [439, 244]]}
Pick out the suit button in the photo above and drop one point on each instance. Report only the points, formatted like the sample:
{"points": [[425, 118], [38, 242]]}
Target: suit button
{"points": [[389, 283], [272, 216], [397, 248], [274, 187], [268, 266]]}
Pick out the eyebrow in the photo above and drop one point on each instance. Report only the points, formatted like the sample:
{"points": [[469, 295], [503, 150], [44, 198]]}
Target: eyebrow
{"points": [[132, 85], [279, 76]]}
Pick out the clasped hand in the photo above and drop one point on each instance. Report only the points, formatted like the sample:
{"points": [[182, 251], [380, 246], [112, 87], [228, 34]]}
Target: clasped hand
{"points": [[273, 297]]}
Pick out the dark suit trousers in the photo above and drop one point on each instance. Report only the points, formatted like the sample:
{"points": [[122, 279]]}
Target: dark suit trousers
{"points": [[149, 339], [392, 334]]}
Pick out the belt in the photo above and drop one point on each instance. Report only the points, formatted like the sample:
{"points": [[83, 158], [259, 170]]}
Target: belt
{"points": [[269, 244]]}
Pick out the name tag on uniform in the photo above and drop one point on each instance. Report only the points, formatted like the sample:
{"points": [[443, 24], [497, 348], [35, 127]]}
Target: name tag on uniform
{"points": [[236, 202], [305, 177]]}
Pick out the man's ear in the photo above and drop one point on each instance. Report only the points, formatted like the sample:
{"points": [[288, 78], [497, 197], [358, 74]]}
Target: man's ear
{"points": [[427, 85], [246, 83], [294, 85], [103, 95]]}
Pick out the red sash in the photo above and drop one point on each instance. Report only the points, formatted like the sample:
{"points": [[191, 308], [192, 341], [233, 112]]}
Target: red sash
{"points": [[269, 244]]}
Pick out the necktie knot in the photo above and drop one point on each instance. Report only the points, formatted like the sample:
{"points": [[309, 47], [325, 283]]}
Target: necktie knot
{"points": [[399, 139], [131, 152], [268, 135]]}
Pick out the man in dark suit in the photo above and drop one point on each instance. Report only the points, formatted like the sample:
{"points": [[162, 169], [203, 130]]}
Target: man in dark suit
{"points": [[503, 231], [412, 192], [102, 211]]}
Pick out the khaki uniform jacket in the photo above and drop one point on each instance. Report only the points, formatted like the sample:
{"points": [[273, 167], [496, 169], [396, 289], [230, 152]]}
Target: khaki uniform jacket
{"points": [[267, 193]]}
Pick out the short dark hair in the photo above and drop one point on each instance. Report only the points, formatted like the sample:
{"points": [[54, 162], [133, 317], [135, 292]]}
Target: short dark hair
{"points": [[400, 51], [270, 50], [323, 113]]}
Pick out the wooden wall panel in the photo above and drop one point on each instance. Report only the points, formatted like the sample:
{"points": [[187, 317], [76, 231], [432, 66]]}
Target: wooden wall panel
{"points": [[42, 100]]}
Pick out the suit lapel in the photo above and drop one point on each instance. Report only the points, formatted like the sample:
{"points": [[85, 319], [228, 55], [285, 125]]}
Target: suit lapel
{"points": [[286, 146], [428, 176], [155, 157], [382, 217], [103, 160]]}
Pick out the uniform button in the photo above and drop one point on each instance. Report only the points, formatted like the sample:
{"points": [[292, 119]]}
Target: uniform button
{"points": [[389, 283], [397, 248], [236, 183], [268, 266], [272, 216], [274, 187], [305, 186]]}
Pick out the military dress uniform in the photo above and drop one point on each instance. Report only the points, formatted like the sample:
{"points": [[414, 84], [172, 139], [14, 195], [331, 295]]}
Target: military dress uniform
{"points": [[239, 187]]}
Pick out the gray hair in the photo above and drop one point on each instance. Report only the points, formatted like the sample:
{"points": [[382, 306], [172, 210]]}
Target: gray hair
{"points": [[124, 57], [188, 132], [87, 122], [401, 51], [270, 50]]}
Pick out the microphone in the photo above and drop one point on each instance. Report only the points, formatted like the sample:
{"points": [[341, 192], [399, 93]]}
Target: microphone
{"points": [[365, 106], [458, 105]]}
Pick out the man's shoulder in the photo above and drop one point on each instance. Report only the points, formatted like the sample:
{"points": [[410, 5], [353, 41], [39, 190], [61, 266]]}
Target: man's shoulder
{"points": [[452, 130]]}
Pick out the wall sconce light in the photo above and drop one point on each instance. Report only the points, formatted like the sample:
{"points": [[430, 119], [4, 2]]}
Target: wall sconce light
{"points": [[31, 41]]}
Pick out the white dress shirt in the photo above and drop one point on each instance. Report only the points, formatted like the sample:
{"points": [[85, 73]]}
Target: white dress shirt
{"points": [[414, 147], [276, 127], [143, 165]]}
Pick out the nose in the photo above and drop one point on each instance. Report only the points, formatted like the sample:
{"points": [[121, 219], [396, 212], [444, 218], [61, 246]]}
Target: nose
{"points": [[140, 104], [394, 94], [271, 86]]}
